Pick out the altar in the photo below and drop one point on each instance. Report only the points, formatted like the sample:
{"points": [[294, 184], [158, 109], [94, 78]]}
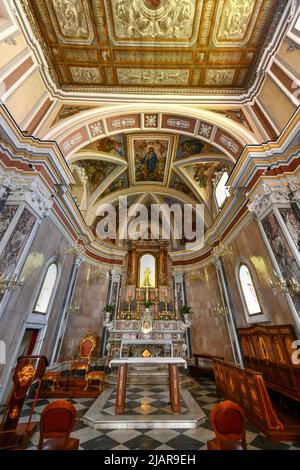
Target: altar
{"points": [[171, 362], [127, 336], [146, 347], [146, 305]]}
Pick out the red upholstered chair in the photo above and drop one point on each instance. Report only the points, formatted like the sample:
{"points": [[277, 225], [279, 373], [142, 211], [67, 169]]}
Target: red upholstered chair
{"points": [[57, 421], [229, 424], [83, 360]]}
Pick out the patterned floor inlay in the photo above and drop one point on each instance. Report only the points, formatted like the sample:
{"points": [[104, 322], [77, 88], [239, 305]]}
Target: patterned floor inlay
{"points": [[155, 439]]}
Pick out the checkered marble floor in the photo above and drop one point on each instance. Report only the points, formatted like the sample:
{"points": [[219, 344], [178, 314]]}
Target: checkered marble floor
{"points": [[155, 439], [144, 402]]}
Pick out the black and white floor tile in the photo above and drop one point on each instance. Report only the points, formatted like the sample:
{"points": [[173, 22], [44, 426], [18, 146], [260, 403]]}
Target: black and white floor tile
{"points": [[153, 439], [140, 401]]}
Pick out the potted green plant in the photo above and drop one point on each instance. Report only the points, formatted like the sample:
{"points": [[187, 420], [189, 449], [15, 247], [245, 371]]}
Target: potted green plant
{"points": [[186, 311], [147, 304], [108, 309]]}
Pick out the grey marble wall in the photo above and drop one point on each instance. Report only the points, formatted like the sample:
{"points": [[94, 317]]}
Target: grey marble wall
{"points": [[251, 246], [209, 332], [91, 296], [48, 243]]}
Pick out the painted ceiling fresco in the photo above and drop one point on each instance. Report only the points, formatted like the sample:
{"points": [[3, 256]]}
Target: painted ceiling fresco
{"points": [[121, 182], [67, 112], [141, 45], [96, 171], [114, 145], [177, 183], [203, 175], [188, 146], [150, 157], [150, 169], [237, 115]]}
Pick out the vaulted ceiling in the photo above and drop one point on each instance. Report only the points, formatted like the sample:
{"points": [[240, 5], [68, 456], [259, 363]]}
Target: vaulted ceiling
{"points": [[160, 167], [191, 46]]}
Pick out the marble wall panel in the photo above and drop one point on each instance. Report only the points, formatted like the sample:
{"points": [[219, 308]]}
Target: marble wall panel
{"points": [[6, 217], [292, 223], [282, 252], [48, 243], [91, 296], [250, 245], [17, 241], [209, 333]]}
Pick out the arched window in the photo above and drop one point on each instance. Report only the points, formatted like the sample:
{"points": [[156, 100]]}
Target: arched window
{"points": [[221, 189], [248, 290], [147, 271], [47, 289]]}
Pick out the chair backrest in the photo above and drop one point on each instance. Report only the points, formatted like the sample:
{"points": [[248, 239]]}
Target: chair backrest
{"points": [[57, 421], [87, 346], [228, 421]]}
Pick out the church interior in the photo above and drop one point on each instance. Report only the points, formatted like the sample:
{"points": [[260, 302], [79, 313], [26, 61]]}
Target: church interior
{"points": [[117, 334]]}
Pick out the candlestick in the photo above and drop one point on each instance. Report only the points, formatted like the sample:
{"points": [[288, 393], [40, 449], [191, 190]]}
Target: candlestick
{"points": [[138, 309]]}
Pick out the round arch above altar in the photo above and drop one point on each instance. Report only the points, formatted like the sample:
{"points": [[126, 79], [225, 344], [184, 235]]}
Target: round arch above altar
{"points": [[86, 127]]}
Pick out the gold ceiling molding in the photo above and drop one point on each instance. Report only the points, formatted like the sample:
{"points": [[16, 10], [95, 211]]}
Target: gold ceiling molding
{"points": [[235, 22], [154, 23], [152, 46], [72, 21]]}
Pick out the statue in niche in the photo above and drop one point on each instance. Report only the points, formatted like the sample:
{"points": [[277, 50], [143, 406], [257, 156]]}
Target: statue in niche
{"points": [[147, 279]]}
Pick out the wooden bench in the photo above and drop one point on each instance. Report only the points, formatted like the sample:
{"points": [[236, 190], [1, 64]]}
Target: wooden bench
{"points": [[203, 365], [247, 387]]}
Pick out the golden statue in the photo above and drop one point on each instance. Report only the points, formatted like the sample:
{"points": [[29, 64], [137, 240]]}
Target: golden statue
{"points": [[147, 281]]}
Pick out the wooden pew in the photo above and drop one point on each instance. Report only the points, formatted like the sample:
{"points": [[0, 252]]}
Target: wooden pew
{"points": [[269, 350], [247, 387], [203, 365]]}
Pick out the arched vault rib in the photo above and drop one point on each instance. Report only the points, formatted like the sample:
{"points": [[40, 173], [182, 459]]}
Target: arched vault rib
{"points": [[95, 155], [65, 131], [160, 190]]}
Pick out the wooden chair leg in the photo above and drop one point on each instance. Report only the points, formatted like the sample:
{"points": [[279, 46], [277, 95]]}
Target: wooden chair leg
{"points": [[87, 384]]}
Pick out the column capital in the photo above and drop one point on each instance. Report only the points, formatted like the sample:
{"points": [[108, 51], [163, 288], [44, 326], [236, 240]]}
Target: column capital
{"points": [[116, 275], [270, 196], [217, 262], [178, 277], [294, 194]]}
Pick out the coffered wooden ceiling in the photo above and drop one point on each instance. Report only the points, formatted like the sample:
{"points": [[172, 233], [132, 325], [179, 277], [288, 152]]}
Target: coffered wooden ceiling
{"points": [[191, 46]]}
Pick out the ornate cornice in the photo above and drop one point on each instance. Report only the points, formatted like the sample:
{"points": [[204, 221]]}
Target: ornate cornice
{"points": [[28, 191], [271, 195]]}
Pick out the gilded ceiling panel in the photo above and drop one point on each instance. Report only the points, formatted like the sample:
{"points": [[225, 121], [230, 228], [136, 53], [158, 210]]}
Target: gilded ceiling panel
{"points": [[72, 21], [154, 22], [193, 46]]}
